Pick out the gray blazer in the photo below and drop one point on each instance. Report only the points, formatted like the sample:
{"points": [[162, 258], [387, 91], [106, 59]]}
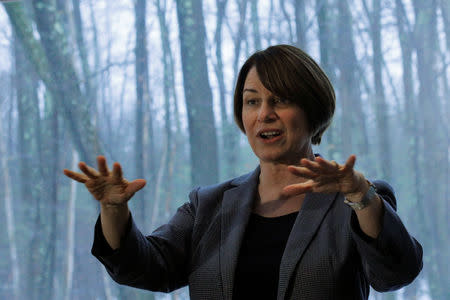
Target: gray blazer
{"points": [[326, 257]]}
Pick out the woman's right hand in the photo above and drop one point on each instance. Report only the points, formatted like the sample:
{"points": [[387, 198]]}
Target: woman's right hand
{"points": [[109, 188]]}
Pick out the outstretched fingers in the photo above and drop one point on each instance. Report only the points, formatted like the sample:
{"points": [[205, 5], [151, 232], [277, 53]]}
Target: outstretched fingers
{"points": [[323, 176], [350, 163], [117, 172], [328, 166], [302, 172], [134, 186], [298, 188], [90, 172], [312, 165], [102, 165], [76, 176]]}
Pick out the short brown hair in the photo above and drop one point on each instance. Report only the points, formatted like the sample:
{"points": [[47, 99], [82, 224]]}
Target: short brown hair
{"points": [[290, 73]]}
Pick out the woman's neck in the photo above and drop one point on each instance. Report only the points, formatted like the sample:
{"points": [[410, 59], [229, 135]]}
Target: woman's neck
{"points": [[275, 176]]}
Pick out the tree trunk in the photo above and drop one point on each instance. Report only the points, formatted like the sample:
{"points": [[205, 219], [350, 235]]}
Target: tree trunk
{"points": [[445, 10], [228, 134], [70, 239], [142, 101], [51, 203], [270, 24], [198, 95], [169, 97], [29, 141], [218, 68], [94, 80], [240, 35], [106, 90], [435, 142], [90, 92], [58, 73], [300, 24], [24, 33], [352, 114], [254, 19], [410, 121], [10, 222], [231, 133], [381, 109], [324, 21], [288, 20], [159, 182]]}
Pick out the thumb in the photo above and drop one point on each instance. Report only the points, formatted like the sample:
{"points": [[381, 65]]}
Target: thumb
{"points": [[134, 186]]}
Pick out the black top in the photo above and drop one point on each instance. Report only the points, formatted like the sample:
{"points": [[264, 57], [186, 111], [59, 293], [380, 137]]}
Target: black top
{"points": [[258, 266]]}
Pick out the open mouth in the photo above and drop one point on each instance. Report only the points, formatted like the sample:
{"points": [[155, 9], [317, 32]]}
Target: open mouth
{"points": [[267, 135]]}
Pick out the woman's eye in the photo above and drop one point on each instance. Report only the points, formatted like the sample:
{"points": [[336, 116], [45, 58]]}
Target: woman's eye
{"points": [[281, 101], [250, 101]]}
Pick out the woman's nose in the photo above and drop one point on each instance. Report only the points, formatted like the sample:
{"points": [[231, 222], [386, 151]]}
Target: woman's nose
{"points": [[266, 113]]}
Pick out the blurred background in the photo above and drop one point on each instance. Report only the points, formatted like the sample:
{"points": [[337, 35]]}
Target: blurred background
{"points": [[149, 84]]}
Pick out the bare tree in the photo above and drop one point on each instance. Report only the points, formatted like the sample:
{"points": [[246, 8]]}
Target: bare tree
{"points": [[300, 24], [197, 92], [144, 128], [82, 52], [219, 71], [30, 149], [287, 18], [326, 40], [58, 73], [254, 19], [435, 140], [381, 109], [170, 97], [349, 89], [10, 220], [70, 240], [445, 11], [410, 119]]}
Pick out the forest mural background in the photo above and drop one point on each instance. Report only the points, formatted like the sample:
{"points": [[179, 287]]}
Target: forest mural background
{"points": [[150, 84]]}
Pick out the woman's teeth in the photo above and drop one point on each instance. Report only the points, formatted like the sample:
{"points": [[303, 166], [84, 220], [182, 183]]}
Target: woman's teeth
{"points": [[269, 134]]}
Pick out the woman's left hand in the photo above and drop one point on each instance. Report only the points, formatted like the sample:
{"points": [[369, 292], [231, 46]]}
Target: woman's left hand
{"points": [[326, 177]]}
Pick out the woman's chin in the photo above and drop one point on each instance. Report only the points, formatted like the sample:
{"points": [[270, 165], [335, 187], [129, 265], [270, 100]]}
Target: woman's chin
{"points": [[275, 158]]}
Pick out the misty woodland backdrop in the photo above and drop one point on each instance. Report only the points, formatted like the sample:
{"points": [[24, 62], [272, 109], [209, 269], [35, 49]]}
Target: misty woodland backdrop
{"points": [[150, 83]]}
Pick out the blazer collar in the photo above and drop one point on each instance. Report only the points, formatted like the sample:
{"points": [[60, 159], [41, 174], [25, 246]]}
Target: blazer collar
{"points": [[313, 211], [236, 209], [237, 205]]}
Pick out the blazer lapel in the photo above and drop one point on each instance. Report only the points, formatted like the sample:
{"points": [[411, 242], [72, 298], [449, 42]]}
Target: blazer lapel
{"points": [[311, 215], [236, 209]]}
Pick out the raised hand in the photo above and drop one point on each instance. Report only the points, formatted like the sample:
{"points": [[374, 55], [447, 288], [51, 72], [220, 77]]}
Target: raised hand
{"points": [[326, 177], [110, 188]]}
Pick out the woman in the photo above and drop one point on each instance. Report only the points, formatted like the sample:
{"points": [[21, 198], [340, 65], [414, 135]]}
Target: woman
{"points": [[297, 227]]}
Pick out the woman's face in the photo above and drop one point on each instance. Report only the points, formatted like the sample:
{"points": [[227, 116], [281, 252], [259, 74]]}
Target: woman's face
{"points": [[276, 129]]}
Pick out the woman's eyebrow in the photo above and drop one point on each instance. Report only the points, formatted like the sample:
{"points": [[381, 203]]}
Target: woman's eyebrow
{"points": [[249, 90]]}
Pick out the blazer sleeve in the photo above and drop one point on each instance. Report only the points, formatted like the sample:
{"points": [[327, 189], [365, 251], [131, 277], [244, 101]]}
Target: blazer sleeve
{"points": [[394, 258], [158, 262]]}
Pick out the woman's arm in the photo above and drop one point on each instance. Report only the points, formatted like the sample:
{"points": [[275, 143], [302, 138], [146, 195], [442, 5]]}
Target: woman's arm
{"points": [[394, 258], [390, 257], [370, 217], [158, 262], [114, 220]]}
